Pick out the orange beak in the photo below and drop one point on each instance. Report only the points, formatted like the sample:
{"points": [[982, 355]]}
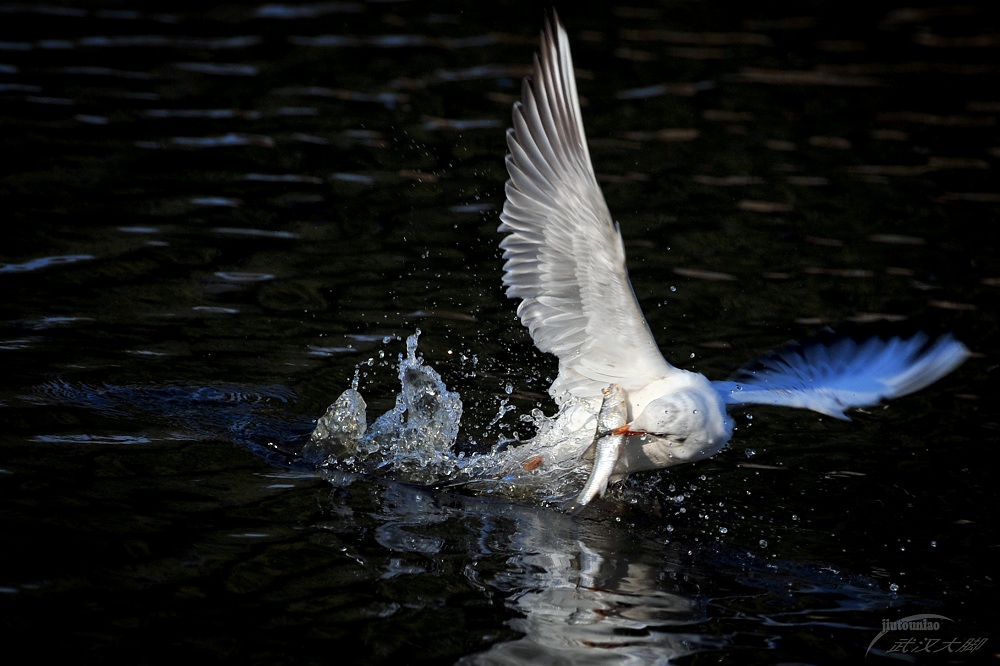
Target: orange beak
{"points": [[625, 430]]}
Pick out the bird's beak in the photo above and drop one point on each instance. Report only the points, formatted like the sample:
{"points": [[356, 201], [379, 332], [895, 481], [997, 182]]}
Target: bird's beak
{"points": [[627, 431]]}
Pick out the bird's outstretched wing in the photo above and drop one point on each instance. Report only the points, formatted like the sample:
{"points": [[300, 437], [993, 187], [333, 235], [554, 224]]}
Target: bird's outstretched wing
{"points": [[564, 255], [831, 376]]}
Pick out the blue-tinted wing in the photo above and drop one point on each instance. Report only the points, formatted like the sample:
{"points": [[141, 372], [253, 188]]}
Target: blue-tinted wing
{"points": [[830, 376]]}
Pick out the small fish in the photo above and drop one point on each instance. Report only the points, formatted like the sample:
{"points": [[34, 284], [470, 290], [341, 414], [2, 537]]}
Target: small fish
{"points": [[532, 463], [607, 448]]}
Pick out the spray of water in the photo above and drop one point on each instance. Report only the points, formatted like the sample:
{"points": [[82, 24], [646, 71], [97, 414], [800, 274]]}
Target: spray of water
{"points": [[414, 442]]}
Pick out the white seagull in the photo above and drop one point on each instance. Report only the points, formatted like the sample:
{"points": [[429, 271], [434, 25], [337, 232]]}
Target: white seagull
{"points": [[565, 260]]}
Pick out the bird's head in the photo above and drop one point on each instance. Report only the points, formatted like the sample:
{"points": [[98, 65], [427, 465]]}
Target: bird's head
{"points": [[693, 423]]}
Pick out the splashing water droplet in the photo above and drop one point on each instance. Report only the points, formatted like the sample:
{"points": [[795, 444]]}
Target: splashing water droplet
{"points": [[414, 441]]}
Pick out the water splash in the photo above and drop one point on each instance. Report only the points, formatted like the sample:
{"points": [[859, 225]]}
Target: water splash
{"points": [[414, 442]]}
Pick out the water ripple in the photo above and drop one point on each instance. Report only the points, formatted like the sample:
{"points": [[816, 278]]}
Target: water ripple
{"points": [[234, 276], [219, 202], [208, 114], [218, 69], [805, 77], [44, 262], [225, 140], [306, 11], [91, 439], [386, 99], [282, 178], [162, 41], [393, 41], [264, 233]]}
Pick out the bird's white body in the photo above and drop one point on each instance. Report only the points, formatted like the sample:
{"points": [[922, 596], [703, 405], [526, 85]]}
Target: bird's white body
{"points": [[565, 260]]}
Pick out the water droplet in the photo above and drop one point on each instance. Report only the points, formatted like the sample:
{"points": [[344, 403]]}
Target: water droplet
{"points": [[751, 453], [723, 530], [673, 288], [762, 543], [894, 587]]}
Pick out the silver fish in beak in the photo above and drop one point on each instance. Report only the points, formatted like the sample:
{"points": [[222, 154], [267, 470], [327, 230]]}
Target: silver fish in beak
{"points": [[607, 448]]}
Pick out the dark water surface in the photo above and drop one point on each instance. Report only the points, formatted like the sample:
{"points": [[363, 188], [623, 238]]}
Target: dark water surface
{"points": [[214, 216]]}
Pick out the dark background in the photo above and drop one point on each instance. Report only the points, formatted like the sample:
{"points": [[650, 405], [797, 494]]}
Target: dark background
{"points": [[215, 214]]}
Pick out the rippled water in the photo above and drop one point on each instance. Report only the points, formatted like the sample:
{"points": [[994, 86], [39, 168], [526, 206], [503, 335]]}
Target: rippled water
{"points": [[216, 217]]}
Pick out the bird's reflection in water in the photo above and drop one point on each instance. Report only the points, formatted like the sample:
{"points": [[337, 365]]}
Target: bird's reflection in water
{"points": [[580, 601], [579, 591]]}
